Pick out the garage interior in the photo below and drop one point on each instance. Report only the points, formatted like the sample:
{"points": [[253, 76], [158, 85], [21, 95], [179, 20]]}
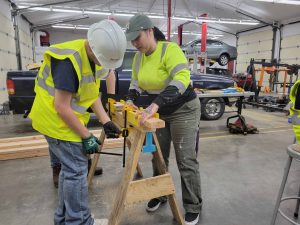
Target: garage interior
{"points": [[240, 173]]}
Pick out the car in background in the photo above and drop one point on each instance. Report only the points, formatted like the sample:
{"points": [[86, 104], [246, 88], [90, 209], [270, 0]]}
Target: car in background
{"points": [[216, 50]]}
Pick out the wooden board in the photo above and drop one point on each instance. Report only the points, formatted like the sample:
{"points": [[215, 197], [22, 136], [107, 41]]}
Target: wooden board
{"points": [[35, 146], [146, 189]]}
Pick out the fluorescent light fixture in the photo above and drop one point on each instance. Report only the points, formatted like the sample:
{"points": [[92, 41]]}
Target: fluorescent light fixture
{"points": [[122, 14], [155, 16], [74, 27], [216, 20], [288, 2]]}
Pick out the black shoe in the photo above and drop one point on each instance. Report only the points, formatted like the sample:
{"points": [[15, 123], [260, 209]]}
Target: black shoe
{"points": [[154, 204], [98, 171], [55, 174], [191, 218]]}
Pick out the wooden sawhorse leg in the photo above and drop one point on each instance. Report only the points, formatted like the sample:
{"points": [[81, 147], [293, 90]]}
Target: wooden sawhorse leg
{"points": [[96, 159], [136, 191]]}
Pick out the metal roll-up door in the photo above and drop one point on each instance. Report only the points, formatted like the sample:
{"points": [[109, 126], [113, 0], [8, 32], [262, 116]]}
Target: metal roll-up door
{"points": [[257, 45], [289, 51], [8, 58], [25, 43]]}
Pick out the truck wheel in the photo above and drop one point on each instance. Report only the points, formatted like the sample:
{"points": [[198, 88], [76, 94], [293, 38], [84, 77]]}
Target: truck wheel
{"points": [[212, 108]]}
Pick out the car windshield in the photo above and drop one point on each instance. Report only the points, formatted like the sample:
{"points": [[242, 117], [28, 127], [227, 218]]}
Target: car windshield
{"points": [[127, 61], [219, 71]]}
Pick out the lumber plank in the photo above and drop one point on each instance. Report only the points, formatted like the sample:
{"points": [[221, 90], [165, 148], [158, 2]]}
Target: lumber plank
{"points": [[35, 137], [38, 147], [146, 189]]}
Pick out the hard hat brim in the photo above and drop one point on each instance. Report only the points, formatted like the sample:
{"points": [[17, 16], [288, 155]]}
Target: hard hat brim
{"points": [[132, 35], [110, 64]]}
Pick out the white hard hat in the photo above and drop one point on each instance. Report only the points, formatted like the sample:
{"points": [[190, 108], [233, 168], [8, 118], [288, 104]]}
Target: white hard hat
{"points": [[108, 43]]}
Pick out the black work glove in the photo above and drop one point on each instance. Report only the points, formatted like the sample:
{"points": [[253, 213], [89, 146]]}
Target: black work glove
{"points": [[111, 130], [90, 144], [112, 96]]}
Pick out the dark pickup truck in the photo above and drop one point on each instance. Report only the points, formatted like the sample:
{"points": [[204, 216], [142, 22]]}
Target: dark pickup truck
{"points": [[20, 87]]}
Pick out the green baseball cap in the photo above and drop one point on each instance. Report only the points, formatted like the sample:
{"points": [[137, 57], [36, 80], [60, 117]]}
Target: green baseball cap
{"points": [[136, 24]]}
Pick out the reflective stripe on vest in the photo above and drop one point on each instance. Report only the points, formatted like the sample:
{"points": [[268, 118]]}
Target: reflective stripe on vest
{"points": [[51, 90], [169, 81], [134, 84], [68, 52]]}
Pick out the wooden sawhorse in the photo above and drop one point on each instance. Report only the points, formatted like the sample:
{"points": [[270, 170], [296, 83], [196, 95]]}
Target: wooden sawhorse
{"points": [[131, 191]]}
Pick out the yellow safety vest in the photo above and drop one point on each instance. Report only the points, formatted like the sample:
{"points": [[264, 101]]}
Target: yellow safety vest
{"points": [[44, 117], [295, 113], [166, 66]]}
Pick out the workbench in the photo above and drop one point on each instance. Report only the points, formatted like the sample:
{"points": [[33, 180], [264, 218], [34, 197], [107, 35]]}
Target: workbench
{"points": [[220, 94]]}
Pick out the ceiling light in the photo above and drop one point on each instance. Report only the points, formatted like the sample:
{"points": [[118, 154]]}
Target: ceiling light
{"points": [[156, 16], [74, 27], [288, 2]]}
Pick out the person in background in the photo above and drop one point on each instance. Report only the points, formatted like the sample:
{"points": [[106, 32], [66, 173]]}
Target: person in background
{"points": [[54, 161], [66, 86], [295, 109], [160, 68]]}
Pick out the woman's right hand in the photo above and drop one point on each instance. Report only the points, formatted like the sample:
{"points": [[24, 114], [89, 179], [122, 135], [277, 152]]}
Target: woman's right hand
{"points": [[130, 104]]}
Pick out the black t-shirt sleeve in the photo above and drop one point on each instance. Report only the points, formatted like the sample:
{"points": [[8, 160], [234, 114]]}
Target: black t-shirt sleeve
{"points": [[64, 75]]}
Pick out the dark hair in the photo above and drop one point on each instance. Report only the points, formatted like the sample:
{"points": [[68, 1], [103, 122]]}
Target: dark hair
{"points": [[158, 35]]}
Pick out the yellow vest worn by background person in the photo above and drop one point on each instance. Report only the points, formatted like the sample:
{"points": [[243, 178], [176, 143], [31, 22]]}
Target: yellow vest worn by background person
{"points": [[167, 65], [44, 117], [295, 113]]}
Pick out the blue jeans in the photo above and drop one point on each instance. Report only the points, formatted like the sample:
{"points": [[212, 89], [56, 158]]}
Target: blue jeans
{"points": [[73, 205]]}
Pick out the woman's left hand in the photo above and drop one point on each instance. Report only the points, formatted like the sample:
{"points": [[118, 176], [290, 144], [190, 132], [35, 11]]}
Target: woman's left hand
{"points": [[148, 113]]}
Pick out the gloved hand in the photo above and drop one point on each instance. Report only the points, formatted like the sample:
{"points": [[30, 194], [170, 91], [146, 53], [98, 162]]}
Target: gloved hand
{"points": [[90, 144], [112, 96], [111, 130]]}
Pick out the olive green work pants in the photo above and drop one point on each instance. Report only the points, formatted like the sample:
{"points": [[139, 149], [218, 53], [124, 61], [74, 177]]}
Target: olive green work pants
{"points": [[181, 128]]}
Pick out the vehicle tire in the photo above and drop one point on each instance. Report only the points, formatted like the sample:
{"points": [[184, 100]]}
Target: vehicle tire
{"points": [[212, 108], [223, 59]]}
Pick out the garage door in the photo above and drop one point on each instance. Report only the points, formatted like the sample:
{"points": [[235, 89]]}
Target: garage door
{"points": [[255, 44], [7, 49], [290, 50], [8, 57]]}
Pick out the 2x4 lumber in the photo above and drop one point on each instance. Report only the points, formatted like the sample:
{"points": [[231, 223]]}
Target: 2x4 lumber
{"points": [[147, 189], [34, 137], [129, 170], [95, 160], [35, 146]]}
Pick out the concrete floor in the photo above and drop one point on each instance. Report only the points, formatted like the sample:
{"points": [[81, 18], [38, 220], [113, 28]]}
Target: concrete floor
{"points": [[240, 177]]}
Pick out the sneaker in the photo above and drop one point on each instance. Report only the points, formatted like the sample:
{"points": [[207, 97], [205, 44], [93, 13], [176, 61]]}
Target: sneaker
{"points": [[100, 222], [191, 218], [154, 204]]}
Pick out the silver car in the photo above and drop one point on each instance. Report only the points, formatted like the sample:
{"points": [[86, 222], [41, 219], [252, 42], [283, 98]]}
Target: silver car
{"points": [[216, 50]]}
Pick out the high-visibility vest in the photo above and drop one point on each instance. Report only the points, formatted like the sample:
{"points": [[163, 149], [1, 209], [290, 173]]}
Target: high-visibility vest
{"points": [[45, 118], [167, 65], [295, 113]]}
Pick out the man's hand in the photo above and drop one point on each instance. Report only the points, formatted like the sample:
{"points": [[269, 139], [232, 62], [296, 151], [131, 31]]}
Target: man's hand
{"points": [[111, 130], [90, 144]]}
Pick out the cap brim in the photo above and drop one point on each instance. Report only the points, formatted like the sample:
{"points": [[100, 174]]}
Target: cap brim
{"points": [[132, 35]]}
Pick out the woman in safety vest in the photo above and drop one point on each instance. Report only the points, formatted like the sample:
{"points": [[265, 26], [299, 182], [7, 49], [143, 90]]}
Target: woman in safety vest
{"points": [[160, 68], [66, 86]]}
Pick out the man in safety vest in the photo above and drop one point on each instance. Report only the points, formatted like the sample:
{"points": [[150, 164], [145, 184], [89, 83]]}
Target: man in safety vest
{"points": [[66, 86], [295, 109]]}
